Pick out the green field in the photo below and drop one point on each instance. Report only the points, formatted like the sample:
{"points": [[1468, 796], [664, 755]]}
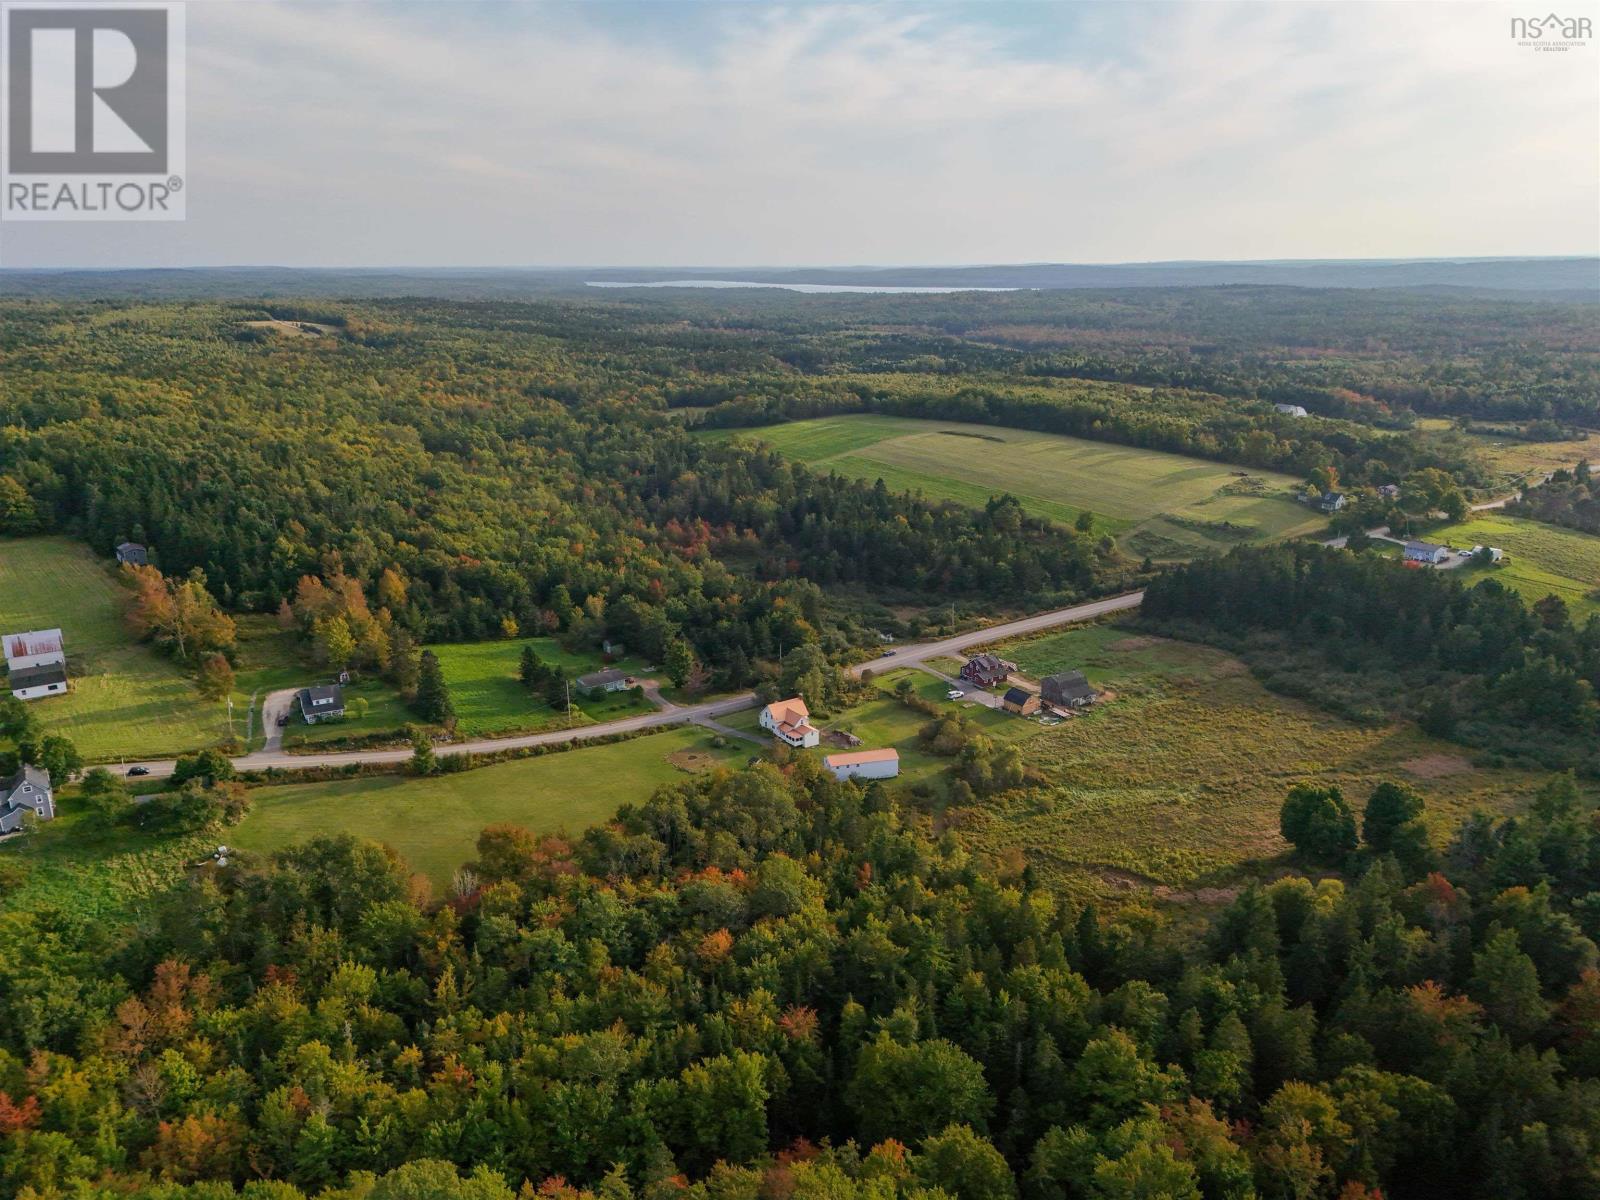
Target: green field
{"points": [[489, 699], [1175, 781], [435, 822], [126, 701], [1541, 559], [1167, 506]]}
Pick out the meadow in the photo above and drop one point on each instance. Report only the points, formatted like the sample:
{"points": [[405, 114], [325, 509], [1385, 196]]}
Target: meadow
{"points": [[1174, 782], [126, 701], [435, 822], [1510, 459], [1541, 559], [1166, 506]]}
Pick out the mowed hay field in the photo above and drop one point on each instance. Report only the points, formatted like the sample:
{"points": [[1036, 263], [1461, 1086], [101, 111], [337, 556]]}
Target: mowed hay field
{"points": [[1542, 559], [434, 822], [1167, 506], [1171, 785], [126, 701]]}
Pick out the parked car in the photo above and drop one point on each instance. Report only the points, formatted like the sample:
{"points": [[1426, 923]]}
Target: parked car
{"points": [[138, 770], [954, 694], [887, 654], [283, 718]]}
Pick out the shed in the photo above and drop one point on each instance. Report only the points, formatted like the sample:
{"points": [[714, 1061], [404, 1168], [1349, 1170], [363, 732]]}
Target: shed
{"points": [[1020, 701]]}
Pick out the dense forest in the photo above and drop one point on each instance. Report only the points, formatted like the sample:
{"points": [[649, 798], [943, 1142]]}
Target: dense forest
{"points": [[1368, 636], [768, 983], [506, 461]]}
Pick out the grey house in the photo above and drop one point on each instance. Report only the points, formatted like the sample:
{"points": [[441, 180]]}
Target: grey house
{"points": [[597, 683], [133, 554], [1069, 689], [320, 703], [28, 791], [1331, 501]]}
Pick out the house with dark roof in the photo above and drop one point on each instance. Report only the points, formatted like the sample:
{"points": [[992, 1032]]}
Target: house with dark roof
{"points": [[598, 683], [986, 670], [30, 683], [132, 554], [1331, 501], [322, 703], [1069, 689], [36, 663], [1020, 701], [1389, 491], [28, 791]]}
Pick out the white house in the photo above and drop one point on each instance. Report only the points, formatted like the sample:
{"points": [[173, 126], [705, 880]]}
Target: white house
{"points": [[1290, 410], [322, 703], [37, 663], [790, 722], [864, 764], [28, 791], [1426, 552]]}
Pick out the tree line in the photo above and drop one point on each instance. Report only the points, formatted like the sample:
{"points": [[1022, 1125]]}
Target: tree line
{"points": [[1368, 635], [770, 983]]}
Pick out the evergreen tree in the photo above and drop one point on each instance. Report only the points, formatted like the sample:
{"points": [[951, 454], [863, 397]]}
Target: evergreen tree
{"points": [[433, 702]]}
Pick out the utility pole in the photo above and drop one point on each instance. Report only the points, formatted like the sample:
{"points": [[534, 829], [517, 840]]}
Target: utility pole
{"points": [[567, 683]]}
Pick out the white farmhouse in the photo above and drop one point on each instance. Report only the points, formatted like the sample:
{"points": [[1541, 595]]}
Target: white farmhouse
{"points": [[1290, 410], [864, 764], [36, 663], [1426, 552], [790, 722]]}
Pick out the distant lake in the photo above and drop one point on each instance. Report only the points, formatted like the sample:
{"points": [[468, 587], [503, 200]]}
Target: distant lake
{"points": [[797, 287]]}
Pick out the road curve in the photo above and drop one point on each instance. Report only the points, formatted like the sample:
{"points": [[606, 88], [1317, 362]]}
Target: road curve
{"points": [[907, 655]]}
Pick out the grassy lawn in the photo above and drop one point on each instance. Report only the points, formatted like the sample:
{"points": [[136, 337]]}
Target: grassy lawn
{"points": [[1541, 558], [1176, 781], [490, 701], [1164, 505], [126, 701], [435, 822]]}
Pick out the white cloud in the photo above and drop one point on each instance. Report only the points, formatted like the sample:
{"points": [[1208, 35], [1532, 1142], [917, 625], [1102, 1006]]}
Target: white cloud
{"points": [[375, 134]]}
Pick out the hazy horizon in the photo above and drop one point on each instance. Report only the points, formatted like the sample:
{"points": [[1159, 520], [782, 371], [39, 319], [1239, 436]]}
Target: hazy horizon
{"points": [[414, 135]]}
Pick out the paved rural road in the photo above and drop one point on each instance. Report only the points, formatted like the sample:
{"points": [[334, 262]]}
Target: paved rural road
{"points": [[904, 656]]}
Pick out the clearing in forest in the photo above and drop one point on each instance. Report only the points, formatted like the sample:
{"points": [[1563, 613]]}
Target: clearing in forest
{"points": [[434, 822], [126, 701], [1176, 785], [1166, 506]]}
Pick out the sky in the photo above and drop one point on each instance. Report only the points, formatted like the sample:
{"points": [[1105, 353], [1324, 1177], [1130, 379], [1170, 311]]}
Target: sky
{"points": [[743, 134]]}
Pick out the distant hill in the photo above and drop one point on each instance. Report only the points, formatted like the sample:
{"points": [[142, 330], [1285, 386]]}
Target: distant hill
{"points": [[1521, 278]]}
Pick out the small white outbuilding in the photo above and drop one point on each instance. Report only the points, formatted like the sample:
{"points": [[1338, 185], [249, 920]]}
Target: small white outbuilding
{"points": [[864, 764]]}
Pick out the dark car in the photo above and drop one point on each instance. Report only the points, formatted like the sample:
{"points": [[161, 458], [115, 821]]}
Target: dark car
{"points": [[138, 770], [887, 654]]}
